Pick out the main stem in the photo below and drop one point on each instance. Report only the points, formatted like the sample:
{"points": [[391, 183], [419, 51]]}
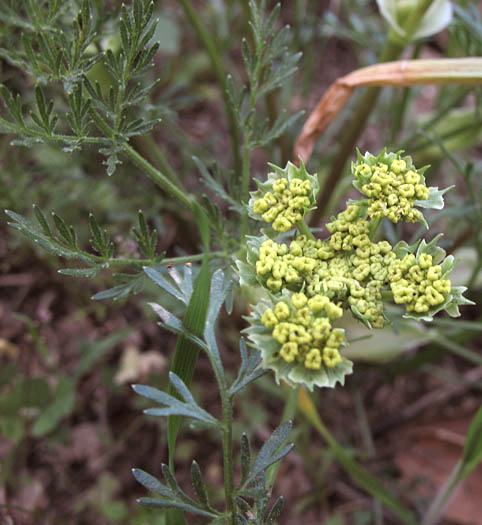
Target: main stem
{"points": [[227, 410], [227, 435]]}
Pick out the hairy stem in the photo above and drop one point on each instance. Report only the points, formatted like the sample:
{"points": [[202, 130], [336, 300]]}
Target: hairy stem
{"points": [[227, 433], [215, 58], [168, 261], [148, 146], [153, 173]]}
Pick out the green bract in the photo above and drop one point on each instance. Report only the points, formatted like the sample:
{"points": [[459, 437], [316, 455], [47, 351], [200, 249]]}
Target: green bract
{"points": [[286, 196]]}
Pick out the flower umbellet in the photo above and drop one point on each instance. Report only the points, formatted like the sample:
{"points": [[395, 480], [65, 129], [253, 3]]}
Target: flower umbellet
{"points": [[309, 283], [394, 187], [284, 198], [298, 340]]}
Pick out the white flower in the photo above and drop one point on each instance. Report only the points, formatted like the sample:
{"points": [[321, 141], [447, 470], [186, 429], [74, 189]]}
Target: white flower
{"points": [[436, 18]]}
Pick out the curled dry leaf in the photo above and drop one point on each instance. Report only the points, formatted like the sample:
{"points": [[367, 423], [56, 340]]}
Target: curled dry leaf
{"points": [[400, 73]]}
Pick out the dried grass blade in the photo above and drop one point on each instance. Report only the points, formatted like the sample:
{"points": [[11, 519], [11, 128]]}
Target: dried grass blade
{"points": [[403, 73]]}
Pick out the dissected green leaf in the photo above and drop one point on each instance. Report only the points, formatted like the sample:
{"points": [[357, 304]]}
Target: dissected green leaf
{"points": [[174, 407], [174, 499], [270, 452], [198, 484], [250, 368]]}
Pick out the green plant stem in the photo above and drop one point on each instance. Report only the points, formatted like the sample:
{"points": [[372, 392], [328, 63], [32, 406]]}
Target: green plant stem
{"points": [[364, 424], [245, 189], [159, 178], [438, 505], [401, 107], [246, 162], [227, 420], [148, 145], [283, 142], [367, 439], [227, 434], [304, 230], [153, 173], [459, 96], [374, 225], [457, 349], [289, 412], [227, 410], [168, 261], [357, 472], [392, 50], [212, 51]]}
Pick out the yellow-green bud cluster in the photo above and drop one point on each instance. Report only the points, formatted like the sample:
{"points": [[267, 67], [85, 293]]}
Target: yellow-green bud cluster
{"points": [[418, 283], [285, 197], [302, 327], [285, 206], [392, 185], [312, 281], [347, 267]]}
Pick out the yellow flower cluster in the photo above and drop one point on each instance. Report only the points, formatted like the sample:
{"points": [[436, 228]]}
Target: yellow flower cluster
{"points": [[418, 283], [286, 204], [347, 267], [303, 329], [392, 187]]}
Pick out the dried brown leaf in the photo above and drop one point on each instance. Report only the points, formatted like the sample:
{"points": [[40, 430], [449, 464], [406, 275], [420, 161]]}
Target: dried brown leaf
{"points": [[400, 73]]}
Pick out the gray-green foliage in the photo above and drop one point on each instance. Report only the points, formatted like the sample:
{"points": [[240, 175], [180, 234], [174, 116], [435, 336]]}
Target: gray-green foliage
{"points": [[91, 90], [252, 486], [63, 49], [63, 242], [268, 64]]}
